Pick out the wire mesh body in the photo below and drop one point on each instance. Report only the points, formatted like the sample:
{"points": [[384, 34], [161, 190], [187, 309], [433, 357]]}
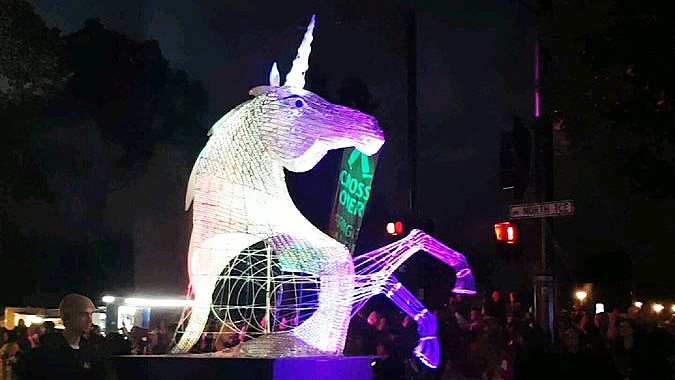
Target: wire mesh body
{"points": [[258, 268]]}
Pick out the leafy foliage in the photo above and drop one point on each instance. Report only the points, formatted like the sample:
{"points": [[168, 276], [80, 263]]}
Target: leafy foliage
{"points": [[609, 78], [80, 115], [32, 72], [32, 59], [609, 90]]}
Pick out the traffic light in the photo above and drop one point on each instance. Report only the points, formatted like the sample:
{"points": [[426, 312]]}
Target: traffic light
{"points": [[508, 242], [394, 228], [506, 232]]}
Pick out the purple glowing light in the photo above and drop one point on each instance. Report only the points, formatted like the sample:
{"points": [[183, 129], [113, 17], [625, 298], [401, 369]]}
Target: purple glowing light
{"points": [[375, 275], [536, 79], [427, 350]]}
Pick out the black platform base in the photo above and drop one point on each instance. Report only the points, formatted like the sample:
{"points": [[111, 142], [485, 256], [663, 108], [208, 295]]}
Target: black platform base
{"points": [[199, 367]]}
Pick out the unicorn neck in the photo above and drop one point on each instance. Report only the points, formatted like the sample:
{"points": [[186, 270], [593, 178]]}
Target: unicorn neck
{"points": [[238, 164], [243, 158]]}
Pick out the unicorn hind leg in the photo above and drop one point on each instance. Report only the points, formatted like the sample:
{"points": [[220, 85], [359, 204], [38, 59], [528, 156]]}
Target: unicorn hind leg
{"points": [[206, 264]]}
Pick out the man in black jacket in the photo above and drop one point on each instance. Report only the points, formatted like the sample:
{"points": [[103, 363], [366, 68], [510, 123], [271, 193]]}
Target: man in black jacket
{"points": [[75, 354]]}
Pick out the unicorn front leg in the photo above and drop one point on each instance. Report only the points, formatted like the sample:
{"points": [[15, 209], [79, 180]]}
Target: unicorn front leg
{"points": [[374, 267], [427, 349], [374, 275]]}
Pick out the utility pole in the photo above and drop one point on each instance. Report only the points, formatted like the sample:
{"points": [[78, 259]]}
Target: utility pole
{"points": [[544, 282], [412, 109]]}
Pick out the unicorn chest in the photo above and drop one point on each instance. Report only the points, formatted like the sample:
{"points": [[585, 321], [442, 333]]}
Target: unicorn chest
{"points": [[267, 213]]}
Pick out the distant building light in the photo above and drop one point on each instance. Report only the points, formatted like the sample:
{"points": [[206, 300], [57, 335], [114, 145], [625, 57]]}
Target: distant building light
{"points": [[657, 307], [126, 309], [108, 299], [638, 304], [599, 308], [33, 320]]}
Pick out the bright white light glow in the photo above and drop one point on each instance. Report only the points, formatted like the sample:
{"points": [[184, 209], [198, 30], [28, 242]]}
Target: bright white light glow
{"points": [[599, 308], [581, 295], [657, 307], [157, 302], [28, 319], [638, 304], [108, 299], [126, 310], [31, 319]]}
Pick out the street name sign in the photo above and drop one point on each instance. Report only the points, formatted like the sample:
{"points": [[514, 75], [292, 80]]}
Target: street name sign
{"points": [[541, 210]]}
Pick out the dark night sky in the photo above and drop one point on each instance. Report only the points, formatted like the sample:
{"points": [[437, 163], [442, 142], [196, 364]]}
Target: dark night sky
{"points": [[474, 73]]}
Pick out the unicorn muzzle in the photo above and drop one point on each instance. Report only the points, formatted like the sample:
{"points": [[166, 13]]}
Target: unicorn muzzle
{"points": [[370, 145]]}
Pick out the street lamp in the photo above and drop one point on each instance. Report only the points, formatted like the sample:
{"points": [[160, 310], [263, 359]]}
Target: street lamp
{"points": [[658, 308], [581, 295]]}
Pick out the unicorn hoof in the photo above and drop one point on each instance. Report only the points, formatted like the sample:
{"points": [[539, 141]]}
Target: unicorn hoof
{"points": [[428, 351]]}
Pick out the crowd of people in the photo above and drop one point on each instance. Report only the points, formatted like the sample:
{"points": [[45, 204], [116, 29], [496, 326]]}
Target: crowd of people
{"points": [[498, 339], [488, 339], [79, 350]]}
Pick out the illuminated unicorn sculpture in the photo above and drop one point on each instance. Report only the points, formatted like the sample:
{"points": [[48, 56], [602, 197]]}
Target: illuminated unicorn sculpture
{"points": [[288, 286]]}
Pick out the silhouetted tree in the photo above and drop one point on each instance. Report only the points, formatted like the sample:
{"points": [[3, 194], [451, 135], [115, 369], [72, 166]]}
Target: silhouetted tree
{"points": [[32, 59], [32, 71], [608, 90], [609, 83], [130, 91], [81, 116]]}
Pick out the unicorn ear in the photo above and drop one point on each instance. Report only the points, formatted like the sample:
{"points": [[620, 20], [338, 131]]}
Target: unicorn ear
{"points": [[259, 90], [274, 75]]}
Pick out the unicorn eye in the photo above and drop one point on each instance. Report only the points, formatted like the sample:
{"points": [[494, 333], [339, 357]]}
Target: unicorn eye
{"points": [[299, 103]]}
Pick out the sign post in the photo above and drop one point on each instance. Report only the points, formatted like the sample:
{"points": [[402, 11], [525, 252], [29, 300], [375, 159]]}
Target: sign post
{"points": [[544, 284]]}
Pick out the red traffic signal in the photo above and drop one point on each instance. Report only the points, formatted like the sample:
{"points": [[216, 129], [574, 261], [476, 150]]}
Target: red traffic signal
{"points": [[506, 232], [394, 228]]}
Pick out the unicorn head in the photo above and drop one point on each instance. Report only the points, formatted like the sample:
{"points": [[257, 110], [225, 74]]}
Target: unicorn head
{"points": [[299, 127]]}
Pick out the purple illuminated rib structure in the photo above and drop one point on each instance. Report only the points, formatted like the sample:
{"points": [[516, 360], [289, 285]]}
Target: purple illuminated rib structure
{"points": [[374, 275]]}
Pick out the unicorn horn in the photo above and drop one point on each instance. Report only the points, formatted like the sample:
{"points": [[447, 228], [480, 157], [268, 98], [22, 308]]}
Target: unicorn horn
{"points": [[296, 77]]}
